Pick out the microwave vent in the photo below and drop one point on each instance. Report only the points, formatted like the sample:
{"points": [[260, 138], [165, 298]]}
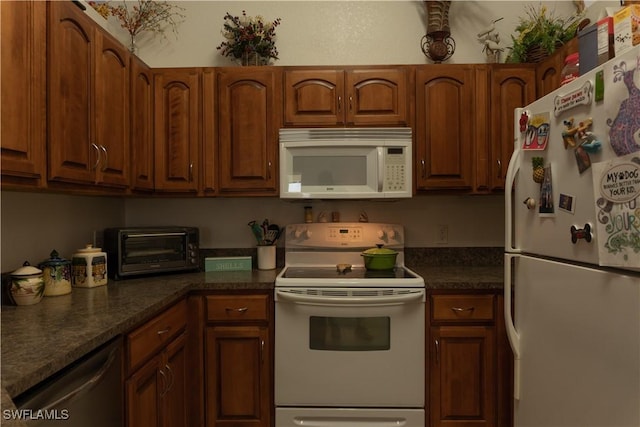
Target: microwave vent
{"points": [[342, 134]]}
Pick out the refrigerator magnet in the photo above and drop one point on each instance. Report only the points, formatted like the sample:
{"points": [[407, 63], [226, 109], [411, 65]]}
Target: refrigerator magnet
{"points": [[581, 96], [546, 193], [566, 203], [537, 135], [582, 159]]}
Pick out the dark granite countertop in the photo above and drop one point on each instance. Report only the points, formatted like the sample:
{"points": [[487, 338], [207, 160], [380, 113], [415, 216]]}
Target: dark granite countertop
{"points": [[41, 339]]}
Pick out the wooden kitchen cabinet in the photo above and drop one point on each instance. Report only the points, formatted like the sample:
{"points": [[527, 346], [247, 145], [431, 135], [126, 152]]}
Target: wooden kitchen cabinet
{"points": [[249, 104], [445, 126], [142, 149], [157, 391], [238, 360], [548, 71], [177, 113], [23, 93], [510, 87], [88, 111], [372, 96], [465, 384]]}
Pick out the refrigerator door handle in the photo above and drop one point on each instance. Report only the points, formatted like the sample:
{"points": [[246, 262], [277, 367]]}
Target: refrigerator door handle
{"points": [[512, 333], [512, 170]]}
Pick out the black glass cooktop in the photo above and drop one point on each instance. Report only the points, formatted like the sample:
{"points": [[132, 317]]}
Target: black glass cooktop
{"points": [[353, 273]]}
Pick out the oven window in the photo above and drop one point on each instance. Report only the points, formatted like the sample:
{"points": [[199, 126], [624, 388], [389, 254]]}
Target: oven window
{"points": [[145, 249], [349, 333]]}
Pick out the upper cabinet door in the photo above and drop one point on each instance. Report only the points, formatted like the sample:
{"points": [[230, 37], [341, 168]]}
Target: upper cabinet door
{"points": [[111, 103], [142, 153], [444, 127], [249, 103], [177, 129], [511, 87], [73, 152], [23, 92], [377, 97], [351, 96], [313, 97]]}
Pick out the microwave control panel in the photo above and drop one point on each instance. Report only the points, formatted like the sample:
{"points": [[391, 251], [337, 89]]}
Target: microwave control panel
{"points": [[395, 169]]}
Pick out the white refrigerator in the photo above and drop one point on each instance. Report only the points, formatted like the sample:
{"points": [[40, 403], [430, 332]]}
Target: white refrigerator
{"points": [[572, 252]]}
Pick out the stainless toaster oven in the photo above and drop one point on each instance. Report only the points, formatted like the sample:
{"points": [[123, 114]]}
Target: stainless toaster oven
{"points": [[147, 250]]}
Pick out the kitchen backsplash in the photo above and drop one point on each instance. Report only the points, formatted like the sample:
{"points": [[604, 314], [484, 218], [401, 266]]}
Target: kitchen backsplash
{"points": [[70, 221]]}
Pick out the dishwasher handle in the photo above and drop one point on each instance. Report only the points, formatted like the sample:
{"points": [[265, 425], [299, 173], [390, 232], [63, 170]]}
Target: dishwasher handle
{"points": [[87, 385]]}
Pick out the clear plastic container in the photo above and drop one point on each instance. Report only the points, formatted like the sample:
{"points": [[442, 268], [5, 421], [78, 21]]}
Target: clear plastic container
{"points": [[571, 69]]}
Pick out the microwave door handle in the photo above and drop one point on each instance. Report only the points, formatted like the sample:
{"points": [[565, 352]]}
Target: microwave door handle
{"points": [[380, 168]]}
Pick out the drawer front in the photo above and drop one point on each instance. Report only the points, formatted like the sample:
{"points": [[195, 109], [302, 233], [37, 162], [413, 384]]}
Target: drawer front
{"points": [[155, 334], [237, 307], [462, 308]]}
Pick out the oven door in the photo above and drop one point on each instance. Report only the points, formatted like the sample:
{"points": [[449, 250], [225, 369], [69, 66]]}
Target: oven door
{"points": [[349, 348]]}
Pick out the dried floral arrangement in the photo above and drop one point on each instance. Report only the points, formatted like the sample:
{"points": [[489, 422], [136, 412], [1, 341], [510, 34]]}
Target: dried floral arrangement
{"points": [[247, 35], [541, 30], [146, 15]]}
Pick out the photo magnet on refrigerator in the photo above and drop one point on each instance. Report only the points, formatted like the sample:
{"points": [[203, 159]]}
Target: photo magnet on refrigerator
{"points": [[537, 135]]}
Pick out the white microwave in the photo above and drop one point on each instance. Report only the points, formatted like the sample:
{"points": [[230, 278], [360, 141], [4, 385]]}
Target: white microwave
{"points": [[345, 163]]}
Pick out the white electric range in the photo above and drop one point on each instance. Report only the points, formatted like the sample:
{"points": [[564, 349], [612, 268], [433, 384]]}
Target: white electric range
{"points": [[349, 342]]}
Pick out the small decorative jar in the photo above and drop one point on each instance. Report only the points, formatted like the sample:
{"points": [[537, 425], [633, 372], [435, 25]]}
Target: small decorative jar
{"points": [[89, 267], [57, 275], [27, 285]]}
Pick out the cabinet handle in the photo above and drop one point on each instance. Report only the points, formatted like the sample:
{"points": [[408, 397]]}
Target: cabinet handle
{"points": [[164, 331], [339, 104], [95, 166], [237, 310], [424, 168], [437, 352], [499, 168], [269, 170], [191, 172], [172, 377], [262, 351], [164, 383], [106, 158], [351, 103], [460, 309]]}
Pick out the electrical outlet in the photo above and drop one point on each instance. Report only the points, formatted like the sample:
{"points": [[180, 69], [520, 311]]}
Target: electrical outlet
{"points": [[443, 234]]}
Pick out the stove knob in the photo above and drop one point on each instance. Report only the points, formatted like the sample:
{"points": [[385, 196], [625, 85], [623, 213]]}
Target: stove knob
{"points": [[308, 233], [381, 234], [392, 234], [297, 233]]}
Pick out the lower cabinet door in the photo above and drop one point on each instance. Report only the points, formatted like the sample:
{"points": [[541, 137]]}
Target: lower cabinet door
{"points": [[174, 398], [144, 388], [462, 384], [237, 376]]}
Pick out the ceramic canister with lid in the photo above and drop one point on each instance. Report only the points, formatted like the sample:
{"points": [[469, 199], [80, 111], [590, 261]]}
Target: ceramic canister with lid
{"points": [[27, 285], [89, 267], [57, 275]]}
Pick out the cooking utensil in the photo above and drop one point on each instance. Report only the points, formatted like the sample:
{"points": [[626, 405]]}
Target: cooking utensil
{"points": [[257, 231], [379, 258]]}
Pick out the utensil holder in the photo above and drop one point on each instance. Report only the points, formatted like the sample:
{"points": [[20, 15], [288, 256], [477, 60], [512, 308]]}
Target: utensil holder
{"points": [[266, 257]]}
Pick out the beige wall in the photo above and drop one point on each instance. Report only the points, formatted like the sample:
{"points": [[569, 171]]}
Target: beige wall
{"points": [[334, 32]]}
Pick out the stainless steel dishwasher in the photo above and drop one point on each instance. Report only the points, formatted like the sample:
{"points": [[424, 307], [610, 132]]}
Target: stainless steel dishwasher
{"points": [[89, 392]]}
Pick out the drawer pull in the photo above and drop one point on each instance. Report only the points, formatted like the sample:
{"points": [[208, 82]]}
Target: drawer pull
{"points": [[460, 310], [237, 310], [164, 331]]}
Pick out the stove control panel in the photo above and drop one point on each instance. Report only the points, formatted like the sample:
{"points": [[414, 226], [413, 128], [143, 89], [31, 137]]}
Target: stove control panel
{"points": [[344, 234]]}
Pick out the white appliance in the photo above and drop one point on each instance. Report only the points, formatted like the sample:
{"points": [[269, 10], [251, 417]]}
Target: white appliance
{"points": [[349, 342], [572, 257], [345, 163]]}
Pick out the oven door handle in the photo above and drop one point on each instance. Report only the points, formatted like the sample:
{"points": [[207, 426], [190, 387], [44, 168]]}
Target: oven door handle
{"points": [[342, 301]]}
